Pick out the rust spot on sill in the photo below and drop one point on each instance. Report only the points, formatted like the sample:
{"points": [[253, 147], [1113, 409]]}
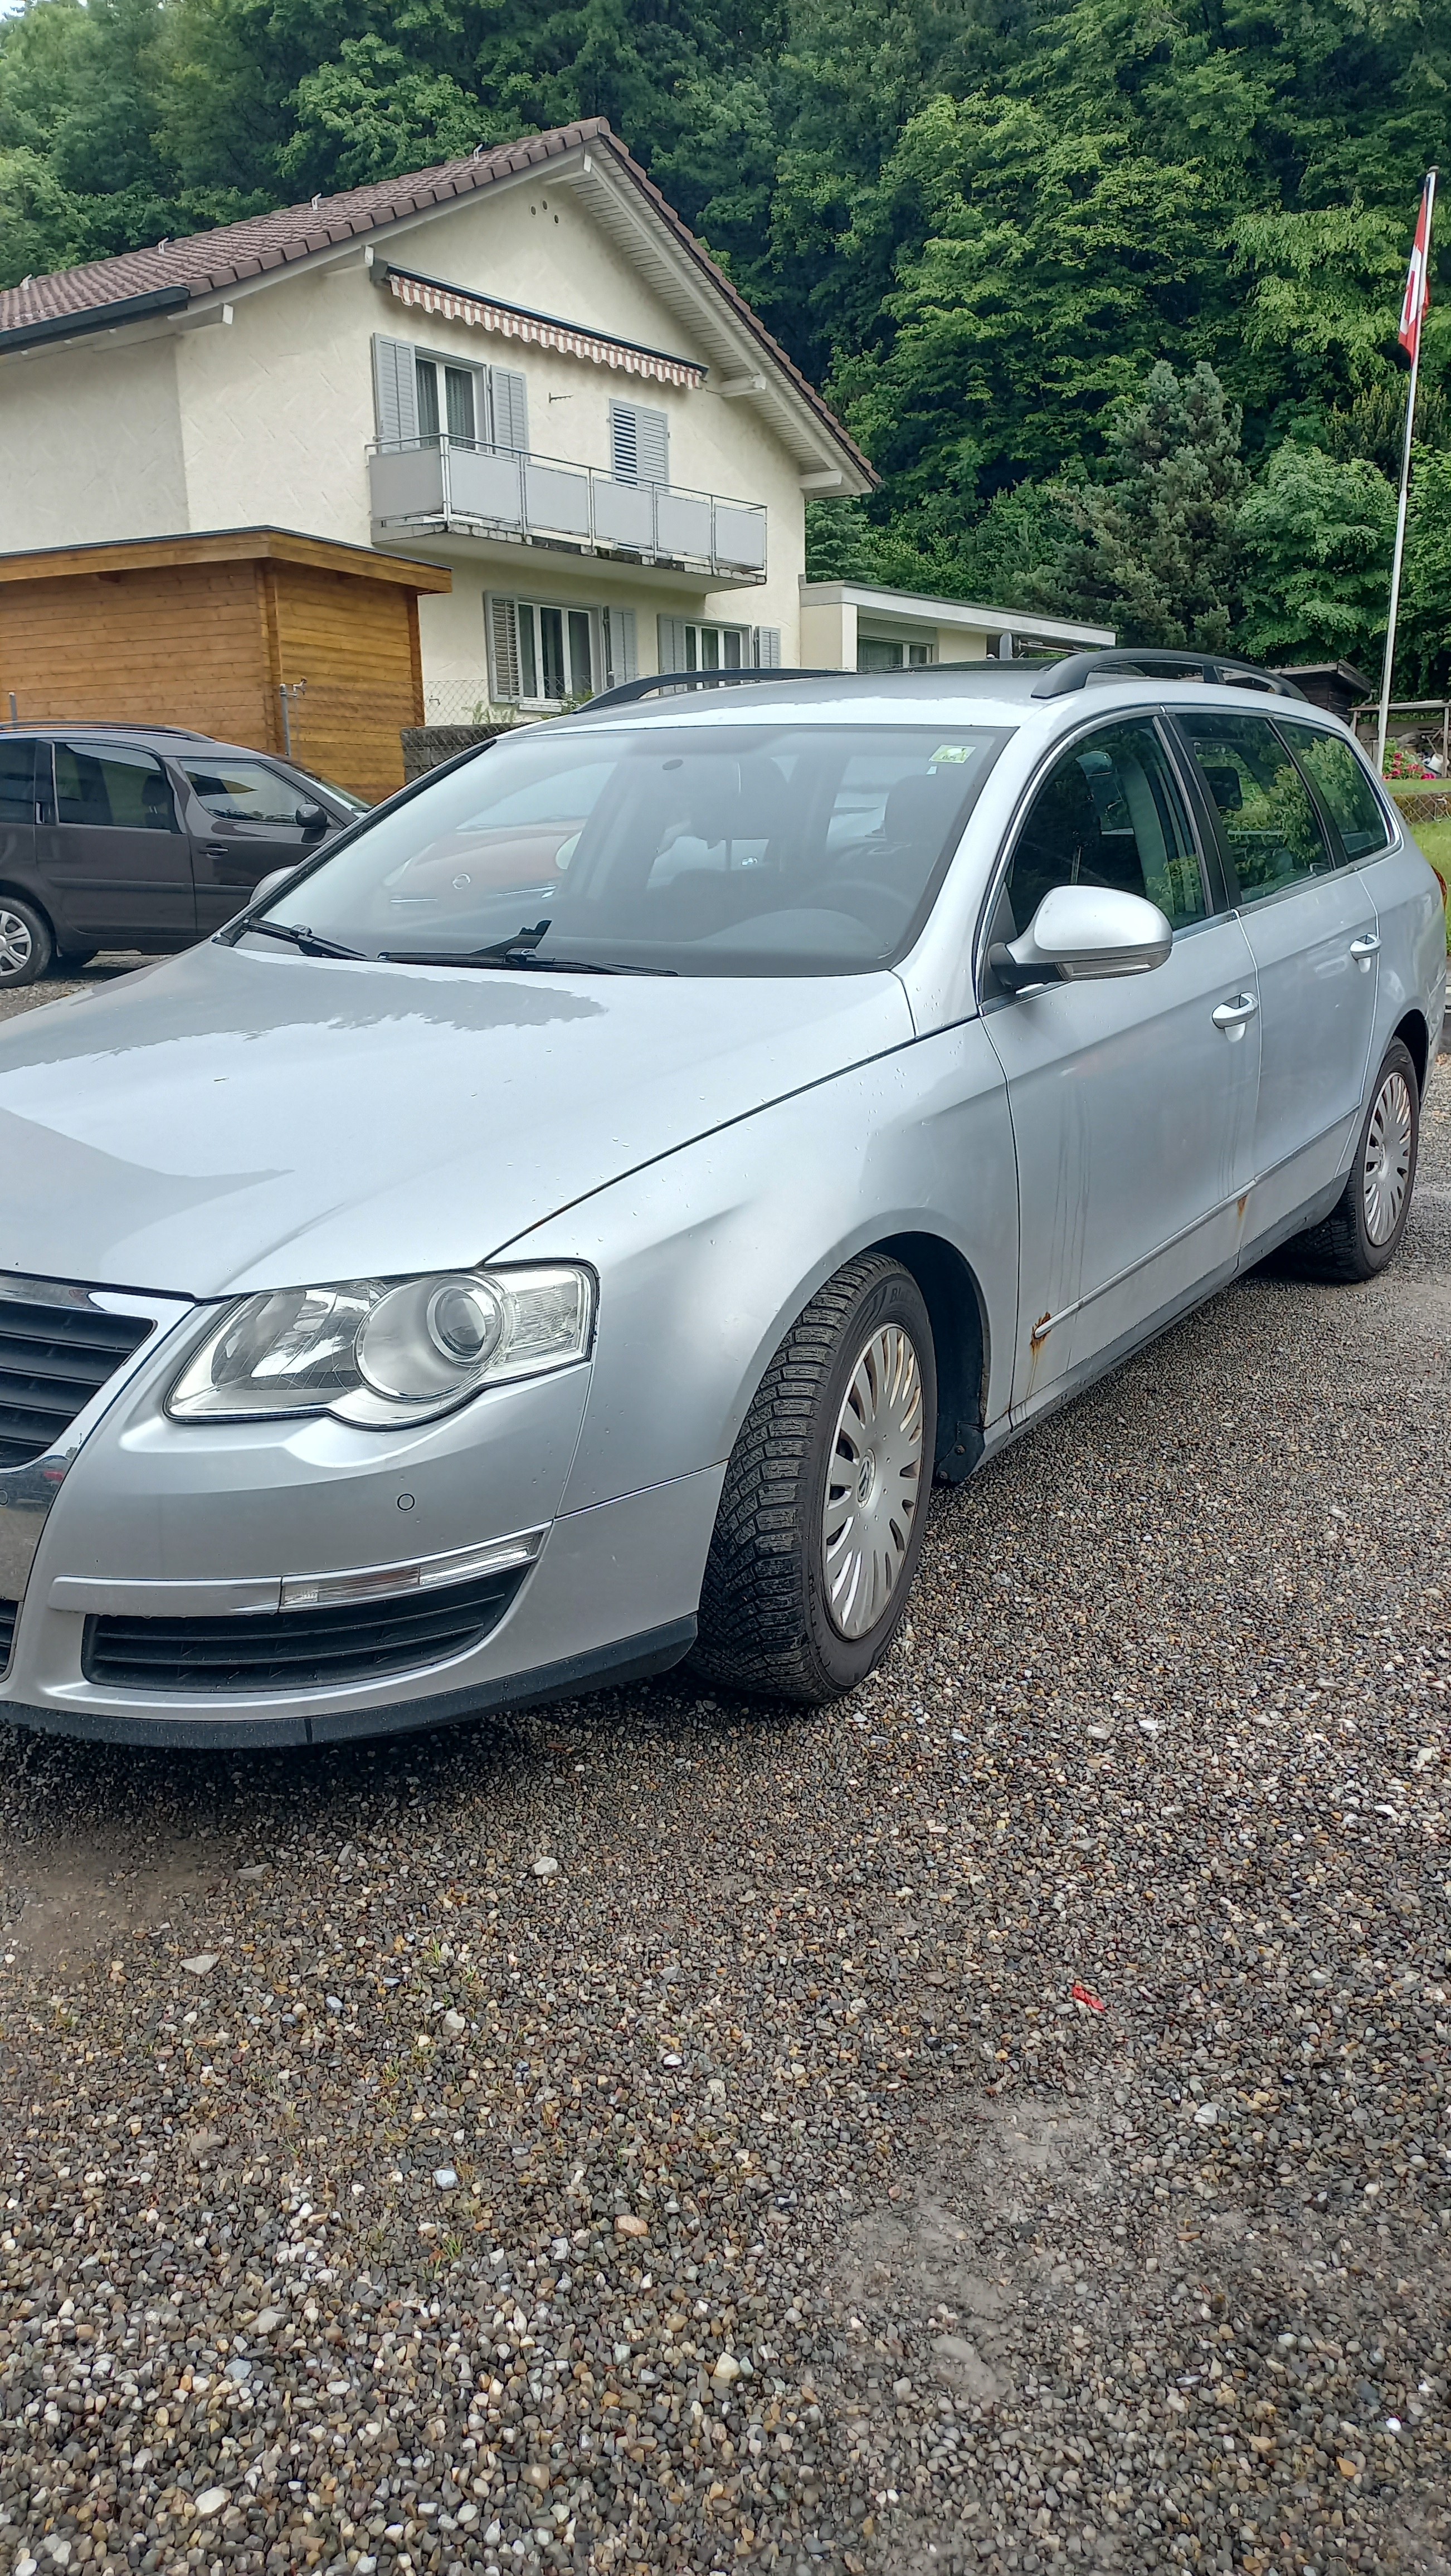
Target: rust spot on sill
{"points": [[1040, 1332], [1242, 1202]]}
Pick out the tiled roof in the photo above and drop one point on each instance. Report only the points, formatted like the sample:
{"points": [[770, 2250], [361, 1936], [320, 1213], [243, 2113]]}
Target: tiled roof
{"points": [[205, 263]]}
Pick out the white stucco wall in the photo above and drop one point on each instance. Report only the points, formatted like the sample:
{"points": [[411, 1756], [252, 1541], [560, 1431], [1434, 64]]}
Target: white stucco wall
{"points": [[90, 445]]}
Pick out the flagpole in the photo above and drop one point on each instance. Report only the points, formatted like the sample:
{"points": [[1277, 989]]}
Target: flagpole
{"points": [[1400, 547]]}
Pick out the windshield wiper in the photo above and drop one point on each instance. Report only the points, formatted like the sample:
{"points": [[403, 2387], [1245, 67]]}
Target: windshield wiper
{"points": [[311, 942], [513, 958]]}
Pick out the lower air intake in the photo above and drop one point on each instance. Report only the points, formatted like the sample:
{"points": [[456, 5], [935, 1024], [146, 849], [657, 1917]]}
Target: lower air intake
{"points": [[294, 1650]]}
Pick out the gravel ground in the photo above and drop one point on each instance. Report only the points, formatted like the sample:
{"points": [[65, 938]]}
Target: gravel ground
{"points": [[1000, 2121]]}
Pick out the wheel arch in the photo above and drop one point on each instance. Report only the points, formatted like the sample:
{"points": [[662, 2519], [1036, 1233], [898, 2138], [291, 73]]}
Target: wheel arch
{"points": [[958, 1315], [1416, 1038]]}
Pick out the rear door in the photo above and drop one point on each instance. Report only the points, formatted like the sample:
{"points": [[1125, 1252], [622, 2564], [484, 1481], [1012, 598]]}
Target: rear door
{"points": [[111, 849], [245, 819], [1311, 926]]}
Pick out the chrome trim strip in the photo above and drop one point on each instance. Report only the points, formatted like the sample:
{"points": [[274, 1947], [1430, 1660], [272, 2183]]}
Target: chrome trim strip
{"points": [[245, 1596], [27, 1493]]}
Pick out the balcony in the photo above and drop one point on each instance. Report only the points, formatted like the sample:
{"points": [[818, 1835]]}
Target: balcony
{"points": [[452, 486]]}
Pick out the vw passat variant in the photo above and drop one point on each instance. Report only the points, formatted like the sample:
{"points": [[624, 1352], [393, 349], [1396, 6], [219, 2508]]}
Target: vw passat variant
{"points": [[565, 1227]]}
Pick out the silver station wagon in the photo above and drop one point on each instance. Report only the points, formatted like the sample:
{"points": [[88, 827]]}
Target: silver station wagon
{"points": [[564, 1227]]}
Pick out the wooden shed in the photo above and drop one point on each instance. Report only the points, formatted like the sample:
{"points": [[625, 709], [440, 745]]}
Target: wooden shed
{"points": [[255, 635]]}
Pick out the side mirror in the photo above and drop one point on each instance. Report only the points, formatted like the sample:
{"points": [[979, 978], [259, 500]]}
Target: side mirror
{"points": [[315, 820], [1080, 933], [266, 887]]}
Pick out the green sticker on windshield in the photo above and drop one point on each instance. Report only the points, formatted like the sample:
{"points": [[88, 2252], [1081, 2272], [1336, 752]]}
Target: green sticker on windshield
{"points": [[954, 751]]}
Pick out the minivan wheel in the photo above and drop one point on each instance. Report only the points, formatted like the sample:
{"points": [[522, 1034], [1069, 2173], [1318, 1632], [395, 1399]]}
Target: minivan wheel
{"points": [[25, 942], [1364, 1228], [824, 1506]]}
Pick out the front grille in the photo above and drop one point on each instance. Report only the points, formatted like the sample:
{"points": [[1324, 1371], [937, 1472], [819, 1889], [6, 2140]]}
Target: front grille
{"points": [[52, 1360], [297, 1649], [9, 1613]]}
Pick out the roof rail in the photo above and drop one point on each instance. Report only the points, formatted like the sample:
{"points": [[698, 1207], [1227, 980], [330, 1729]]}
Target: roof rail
{"points": [[660, 683], [1148, 663]]}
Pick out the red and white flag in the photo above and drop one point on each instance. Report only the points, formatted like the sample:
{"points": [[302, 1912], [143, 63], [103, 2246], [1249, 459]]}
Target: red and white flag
{"points": [[1418, 283]]}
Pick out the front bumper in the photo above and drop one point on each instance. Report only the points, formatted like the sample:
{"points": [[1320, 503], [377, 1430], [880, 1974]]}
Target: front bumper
{"points": [[166, 1531]]}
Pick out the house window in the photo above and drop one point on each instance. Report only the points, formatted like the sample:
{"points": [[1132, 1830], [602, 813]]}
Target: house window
{"points": [[639, 444], [687, 646], [879, 653], [540, 656], [446, 399], [420, 396]]}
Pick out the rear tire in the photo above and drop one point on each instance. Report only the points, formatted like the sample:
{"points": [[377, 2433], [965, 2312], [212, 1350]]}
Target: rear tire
{"points": [[26, 945], [1363, 1230], [824, 1506]]}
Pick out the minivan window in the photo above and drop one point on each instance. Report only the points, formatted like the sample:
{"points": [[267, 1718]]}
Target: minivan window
{"points": [[1109, 814], [117, 788], [244, 791], [17, 780], [1355, 808], [1264, 806], [730, 849]]}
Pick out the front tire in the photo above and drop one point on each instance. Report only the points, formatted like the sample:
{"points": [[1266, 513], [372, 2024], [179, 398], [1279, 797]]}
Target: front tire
{"points": [[25, 942], [822, 1515], [1363, 1230]]}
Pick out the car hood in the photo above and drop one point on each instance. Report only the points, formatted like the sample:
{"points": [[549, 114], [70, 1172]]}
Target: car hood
{"points": [[231, 1119]]}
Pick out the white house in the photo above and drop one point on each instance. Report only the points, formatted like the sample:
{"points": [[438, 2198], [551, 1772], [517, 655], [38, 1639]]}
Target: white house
{"points": [[520, 370]]}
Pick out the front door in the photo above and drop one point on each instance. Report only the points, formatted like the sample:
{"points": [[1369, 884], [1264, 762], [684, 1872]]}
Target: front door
{"points": [[17, 848], [1132, 1099], [115, 861], [246, 818], [1311, 925]]}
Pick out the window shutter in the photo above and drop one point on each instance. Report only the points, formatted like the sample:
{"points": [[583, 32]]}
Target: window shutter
{"points": [[622, 661], [766, 647], [672, 643], [624, 451], [395, 388], [511, 409], [504, 687], [652, 446]]}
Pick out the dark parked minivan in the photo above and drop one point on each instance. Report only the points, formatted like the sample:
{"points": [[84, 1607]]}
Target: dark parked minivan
{"points": [[125, 836]]}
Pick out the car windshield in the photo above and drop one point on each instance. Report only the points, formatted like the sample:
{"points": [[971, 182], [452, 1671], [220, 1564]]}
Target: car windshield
{"points": [[343, 796], [739, 850]]}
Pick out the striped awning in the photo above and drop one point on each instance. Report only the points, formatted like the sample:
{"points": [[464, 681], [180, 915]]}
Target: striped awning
{"points": [[541, 331]]}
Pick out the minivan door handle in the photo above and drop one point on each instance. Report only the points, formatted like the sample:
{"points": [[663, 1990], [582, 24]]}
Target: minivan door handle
{"points": [[1233, 1017], [1363, 949]]}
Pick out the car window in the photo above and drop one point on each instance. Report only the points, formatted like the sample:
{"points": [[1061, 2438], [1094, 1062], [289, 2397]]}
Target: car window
{"points": [[17, 780], [1355, 808], [1110, 814], [116, 787], [244, 791], [1265, 810], [711, 849]]}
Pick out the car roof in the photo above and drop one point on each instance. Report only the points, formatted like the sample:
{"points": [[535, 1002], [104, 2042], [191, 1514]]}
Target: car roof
{"points": [[177, 739], [1000, 694]]}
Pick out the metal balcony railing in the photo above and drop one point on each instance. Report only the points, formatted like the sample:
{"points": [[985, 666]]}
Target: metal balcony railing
{"points": [[441, 483]]}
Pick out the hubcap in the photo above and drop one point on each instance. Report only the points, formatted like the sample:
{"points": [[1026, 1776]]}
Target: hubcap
{"points": [[1387, 1158], [15, 945], [873, 1483]]}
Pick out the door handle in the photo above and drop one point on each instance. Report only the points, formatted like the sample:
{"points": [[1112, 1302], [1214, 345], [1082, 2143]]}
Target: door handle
{"points": [[1233, 1017], [1363, 949]]}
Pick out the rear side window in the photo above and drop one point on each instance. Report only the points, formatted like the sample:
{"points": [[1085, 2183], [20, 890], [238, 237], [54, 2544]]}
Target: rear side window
{"points": [[245, 791], [114, 787], [17, 780], [1265, 808], [1355, 808]]}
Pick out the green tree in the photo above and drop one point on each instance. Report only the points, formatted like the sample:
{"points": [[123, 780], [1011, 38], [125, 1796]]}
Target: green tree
{"points": [[1423, 634], [1317, 533], [1159, 552]]}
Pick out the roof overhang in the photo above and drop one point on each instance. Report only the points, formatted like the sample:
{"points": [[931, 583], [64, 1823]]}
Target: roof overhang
{"points": [[224, 545], [897, 610]]}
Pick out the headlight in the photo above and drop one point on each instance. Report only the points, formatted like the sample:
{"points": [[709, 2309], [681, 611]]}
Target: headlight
{"points": [[386, 1351]]}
